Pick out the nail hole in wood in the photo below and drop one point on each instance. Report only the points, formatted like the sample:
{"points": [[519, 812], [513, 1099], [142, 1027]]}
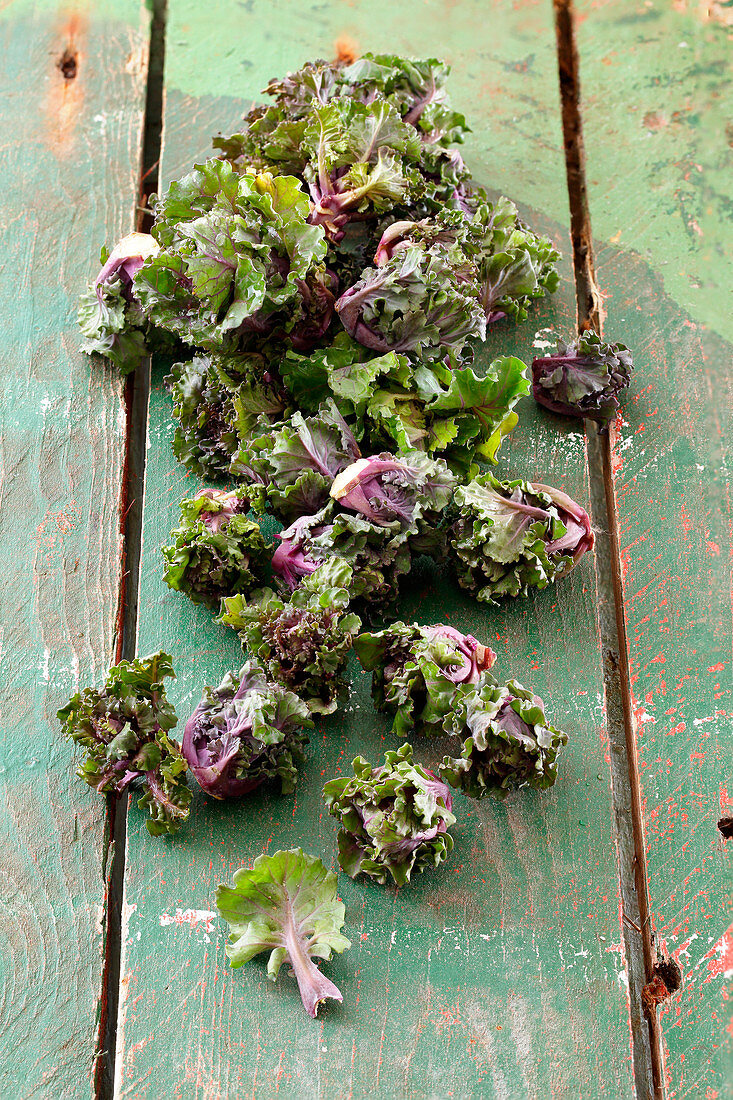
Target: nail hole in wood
{"points": [[69, 64], [668, 970]]}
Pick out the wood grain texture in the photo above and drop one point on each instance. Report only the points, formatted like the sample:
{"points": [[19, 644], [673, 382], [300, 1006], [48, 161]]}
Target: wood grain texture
{"points": [[69, 151], [664, 277], [500, 974]]}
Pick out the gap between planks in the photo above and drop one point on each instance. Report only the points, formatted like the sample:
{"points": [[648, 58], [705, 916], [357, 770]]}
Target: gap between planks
{"points": [[625, 782], [137, 395]]}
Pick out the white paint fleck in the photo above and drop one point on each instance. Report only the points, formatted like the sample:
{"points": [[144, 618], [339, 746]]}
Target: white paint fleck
{"points": [[545, 338], [43, 666], [191, 917], [127, 911]]}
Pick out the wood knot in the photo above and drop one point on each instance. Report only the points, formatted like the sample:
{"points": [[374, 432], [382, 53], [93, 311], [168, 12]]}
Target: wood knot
{"points": [[68, 64], [725, 826]]}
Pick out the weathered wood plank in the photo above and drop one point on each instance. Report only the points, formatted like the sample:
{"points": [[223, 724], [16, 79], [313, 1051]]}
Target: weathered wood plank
{"points": [[501, 973], [69, 150], [660, 217]]}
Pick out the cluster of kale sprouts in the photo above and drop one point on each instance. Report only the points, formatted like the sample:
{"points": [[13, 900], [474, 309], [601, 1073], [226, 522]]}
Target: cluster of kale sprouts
{"points": [[320, 285]]}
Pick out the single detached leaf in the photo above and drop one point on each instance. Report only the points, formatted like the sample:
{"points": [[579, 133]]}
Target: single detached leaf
{"points": [[286, 904]]}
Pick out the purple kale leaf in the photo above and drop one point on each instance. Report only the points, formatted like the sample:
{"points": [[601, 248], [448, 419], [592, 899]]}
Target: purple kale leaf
{"points": [[379, 554], [512, 536], [507, 742], [110, 317], [410, 489], [420, 672]]}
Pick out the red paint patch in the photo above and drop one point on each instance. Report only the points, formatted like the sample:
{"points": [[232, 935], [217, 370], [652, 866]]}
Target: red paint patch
{"points": [[720, 957]]}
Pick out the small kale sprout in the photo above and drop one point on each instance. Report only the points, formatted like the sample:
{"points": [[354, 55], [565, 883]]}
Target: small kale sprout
{"points": [[298, 460], [238, 259], [583, 378], [110, 317], [510, 743], [394, 818], [410, 489], [512, 536], [221, 402], [420, 672], [244, 732], [515, 265], [217, 551], [286, 904], [379, 555], [419, 300], [123, 728], [303, 643]]}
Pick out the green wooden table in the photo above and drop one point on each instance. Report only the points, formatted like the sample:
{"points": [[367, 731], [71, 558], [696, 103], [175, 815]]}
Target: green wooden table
{"points": [[517, 968]]}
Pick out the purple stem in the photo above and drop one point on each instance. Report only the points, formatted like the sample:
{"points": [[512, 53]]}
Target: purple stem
{"points": [[315, 987]]}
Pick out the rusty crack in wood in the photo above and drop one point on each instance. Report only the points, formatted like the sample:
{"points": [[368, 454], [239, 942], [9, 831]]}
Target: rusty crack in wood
{"points": [[642, 965]]}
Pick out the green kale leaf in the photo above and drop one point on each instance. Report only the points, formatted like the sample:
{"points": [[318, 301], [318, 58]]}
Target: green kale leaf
{"points": [[216, 551]]}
